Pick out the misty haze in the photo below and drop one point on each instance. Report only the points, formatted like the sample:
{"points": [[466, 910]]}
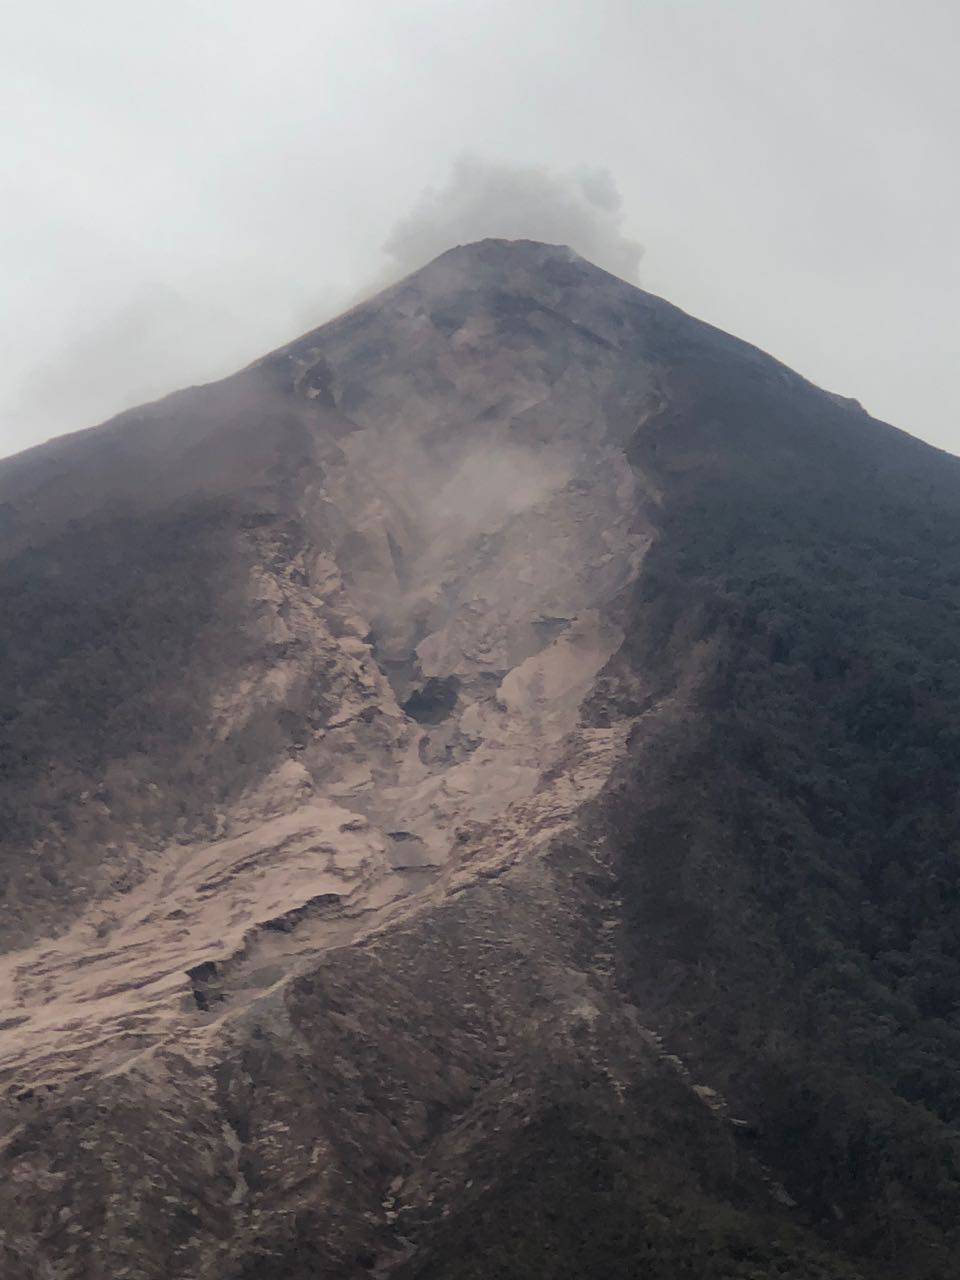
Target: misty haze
{"points": [[479, 736]]}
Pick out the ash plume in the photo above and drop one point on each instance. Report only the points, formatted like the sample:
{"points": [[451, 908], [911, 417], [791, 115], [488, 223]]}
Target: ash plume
{"points": [[484, 198]]}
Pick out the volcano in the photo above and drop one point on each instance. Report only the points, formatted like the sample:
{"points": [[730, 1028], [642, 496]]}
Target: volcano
{"points": [[478, 797]]}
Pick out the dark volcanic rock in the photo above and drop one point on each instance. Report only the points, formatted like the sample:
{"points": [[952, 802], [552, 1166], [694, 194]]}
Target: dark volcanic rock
{"points": [[434, 701], [479, 799]]}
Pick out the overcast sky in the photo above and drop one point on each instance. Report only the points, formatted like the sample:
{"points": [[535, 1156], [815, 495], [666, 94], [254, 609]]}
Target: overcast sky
{"points": [[187, 183]]}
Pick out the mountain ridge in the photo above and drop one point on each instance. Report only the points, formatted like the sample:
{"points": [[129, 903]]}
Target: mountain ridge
{"points": [[508, 729]]}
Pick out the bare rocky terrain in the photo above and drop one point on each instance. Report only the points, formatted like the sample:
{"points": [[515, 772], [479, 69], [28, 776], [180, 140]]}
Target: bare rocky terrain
{"points": [[478, 800]]}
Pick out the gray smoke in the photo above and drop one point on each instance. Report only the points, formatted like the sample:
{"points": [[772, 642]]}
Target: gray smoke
{"points": [[483, 198]]}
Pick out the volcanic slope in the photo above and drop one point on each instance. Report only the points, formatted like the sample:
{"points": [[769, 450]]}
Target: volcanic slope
{"points": [[479, 798]]}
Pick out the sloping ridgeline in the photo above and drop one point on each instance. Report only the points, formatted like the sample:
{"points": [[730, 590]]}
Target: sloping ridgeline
{"points": [[790, 854]]}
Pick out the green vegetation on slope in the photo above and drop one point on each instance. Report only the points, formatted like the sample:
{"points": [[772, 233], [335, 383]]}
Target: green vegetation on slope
{"points": [[794, 867], [656, 1190]]}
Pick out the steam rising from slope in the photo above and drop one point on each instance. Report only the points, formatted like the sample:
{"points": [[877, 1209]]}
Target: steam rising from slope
{"points": [[483, 198]]}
